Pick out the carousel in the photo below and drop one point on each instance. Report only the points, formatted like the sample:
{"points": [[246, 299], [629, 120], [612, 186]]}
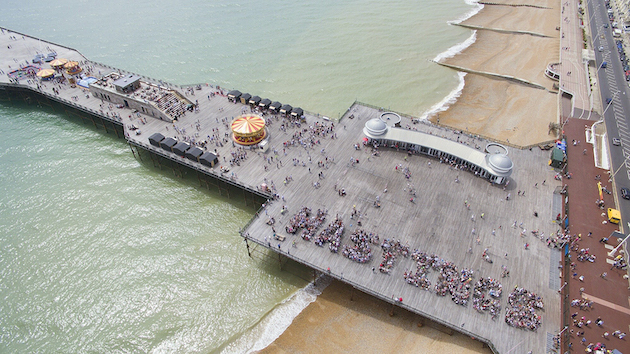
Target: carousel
{"points": [[248, 129], [46, 74], [72, 68], [58, 64]]}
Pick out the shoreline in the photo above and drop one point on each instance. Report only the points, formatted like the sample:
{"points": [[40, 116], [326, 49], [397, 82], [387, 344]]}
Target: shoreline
{"points": [[346, 320], [365, 323], [495, 108]]}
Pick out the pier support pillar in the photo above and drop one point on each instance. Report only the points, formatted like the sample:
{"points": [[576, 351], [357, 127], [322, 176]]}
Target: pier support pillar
{"points": [[247, 245], [133, 152]]}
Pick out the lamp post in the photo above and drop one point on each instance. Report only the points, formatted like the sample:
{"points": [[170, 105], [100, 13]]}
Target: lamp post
{"points": [[612, 253], [593, 14], [590, 94], [609, 103]]}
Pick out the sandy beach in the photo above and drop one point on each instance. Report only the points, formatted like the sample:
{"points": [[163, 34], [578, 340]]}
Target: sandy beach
{"points": [[336, 324], [498, 108], [489, 106]]}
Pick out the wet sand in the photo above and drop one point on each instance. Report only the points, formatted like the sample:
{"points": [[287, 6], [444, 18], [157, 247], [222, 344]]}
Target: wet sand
{"points": [[496, 108], [336, 324]]}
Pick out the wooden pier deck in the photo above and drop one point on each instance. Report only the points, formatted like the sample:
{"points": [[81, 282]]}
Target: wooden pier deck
{"points": [[437, 222]]}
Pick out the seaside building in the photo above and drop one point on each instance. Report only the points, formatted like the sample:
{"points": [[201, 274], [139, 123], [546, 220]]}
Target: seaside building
{"points": [[129, 91], [493, 164]]}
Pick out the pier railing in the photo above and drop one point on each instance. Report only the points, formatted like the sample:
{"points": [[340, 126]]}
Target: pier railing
{"points": [[198, 167], [62, 100], [373, 293]]}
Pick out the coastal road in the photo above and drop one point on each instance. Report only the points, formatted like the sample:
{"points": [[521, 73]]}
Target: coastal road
{"points": [[615, 99]]}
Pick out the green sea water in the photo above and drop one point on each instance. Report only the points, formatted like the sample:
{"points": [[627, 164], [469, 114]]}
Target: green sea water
{"points": [[100, 252]]}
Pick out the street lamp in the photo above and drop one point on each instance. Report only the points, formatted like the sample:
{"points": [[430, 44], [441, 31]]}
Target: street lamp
{"points": [[609, 103], [612, 253], [593, 14], [618, 168]]}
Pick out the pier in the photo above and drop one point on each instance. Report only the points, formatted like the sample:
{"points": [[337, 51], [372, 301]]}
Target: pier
{"points": [[411, 198]]}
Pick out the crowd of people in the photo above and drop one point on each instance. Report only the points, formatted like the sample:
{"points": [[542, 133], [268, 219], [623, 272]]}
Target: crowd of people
{"points": [[303, 220], [454, 282], [391, 250], [331, 235], [361, 252], [424, 263], [490, 303], [583, 255], [521, 310], [308, 137], [583, 304]]}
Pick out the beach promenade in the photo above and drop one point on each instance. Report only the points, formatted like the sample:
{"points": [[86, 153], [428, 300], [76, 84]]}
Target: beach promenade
{"points": [[574, 59], [609, 294], [453, 214]]}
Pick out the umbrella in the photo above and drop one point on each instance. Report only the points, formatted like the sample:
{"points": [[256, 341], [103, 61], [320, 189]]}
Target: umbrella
{"points": [[58, 62], [46, 73], [70, 64]]}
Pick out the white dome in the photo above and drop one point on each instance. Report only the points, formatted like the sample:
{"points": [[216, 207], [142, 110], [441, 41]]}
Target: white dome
{"points": [[375, 127], [500, 163]]}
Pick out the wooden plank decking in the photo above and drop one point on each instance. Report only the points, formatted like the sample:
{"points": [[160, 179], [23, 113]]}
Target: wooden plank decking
{"points": [[438, 222]]}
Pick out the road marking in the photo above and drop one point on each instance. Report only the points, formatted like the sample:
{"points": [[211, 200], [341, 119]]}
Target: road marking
{"points": [[606, 303], [610, 261], [609, 246]]}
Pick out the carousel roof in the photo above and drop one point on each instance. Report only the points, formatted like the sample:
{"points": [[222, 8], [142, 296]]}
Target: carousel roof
{"points": [[247, 124], [46, 73], [58, 62], [70, 64]]}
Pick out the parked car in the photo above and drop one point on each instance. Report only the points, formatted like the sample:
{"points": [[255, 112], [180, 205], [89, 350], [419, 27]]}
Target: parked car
{"points": [[625, 193]]}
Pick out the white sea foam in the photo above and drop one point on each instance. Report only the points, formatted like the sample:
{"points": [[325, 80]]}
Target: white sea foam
{"points": [[451, 52], [457, 48], [446, 101], [277, 320], [476, 8]]}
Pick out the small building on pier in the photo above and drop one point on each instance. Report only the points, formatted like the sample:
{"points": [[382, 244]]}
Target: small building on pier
{"points": [[145, 97], [127, 84]]}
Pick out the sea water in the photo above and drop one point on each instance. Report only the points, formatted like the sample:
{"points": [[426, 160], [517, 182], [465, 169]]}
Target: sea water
{"points": [[101, 252]]}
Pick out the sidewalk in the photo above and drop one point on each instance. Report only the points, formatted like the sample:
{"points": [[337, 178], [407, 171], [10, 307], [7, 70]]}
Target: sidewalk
{"points": [[573, 74], [610, 295]]}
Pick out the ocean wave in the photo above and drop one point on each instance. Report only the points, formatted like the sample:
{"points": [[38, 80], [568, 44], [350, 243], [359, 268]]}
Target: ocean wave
{"points": [[457, 48], [278, 319], [448, 100], [476, 8], [451, 52]]}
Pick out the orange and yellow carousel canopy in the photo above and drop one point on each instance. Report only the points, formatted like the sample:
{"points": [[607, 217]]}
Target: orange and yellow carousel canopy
{"points": [[248, 124]]}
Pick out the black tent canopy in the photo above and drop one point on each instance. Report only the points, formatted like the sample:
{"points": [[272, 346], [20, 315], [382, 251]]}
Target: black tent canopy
{"points": [[264, 103], [254, 100], [180, 148], [297, 111], [193, 153], [234, 95], [286, 109], [275, 106], [208, 159], [155, 139], [245, 98], [167, 144]]}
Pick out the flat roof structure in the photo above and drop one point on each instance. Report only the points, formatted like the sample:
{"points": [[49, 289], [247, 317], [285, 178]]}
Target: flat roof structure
{"points": [[496, 167], [127, 83]]}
